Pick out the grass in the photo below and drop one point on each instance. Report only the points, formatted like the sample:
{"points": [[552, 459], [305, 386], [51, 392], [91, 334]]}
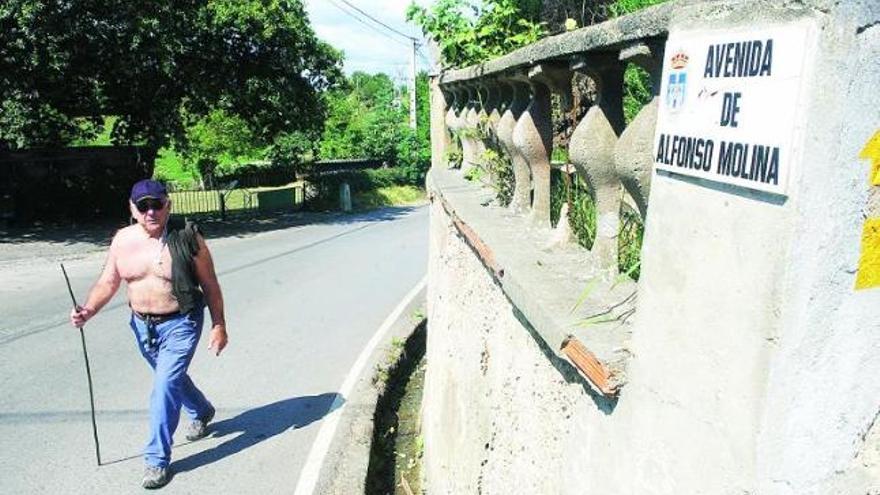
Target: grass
{"points": [[582, 214], [389, 196], [170, 168], [582, 218]]}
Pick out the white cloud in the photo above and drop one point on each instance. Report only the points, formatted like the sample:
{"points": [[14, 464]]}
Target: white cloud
{"points": [[370, 49]]}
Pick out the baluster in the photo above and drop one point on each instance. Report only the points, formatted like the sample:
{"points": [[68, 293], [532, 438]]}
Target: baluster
{"points": [[493, 106], [633, 154], [471, 132], [518, 99], [489, 118], [533, 134], [441, 105], [591, 150], [454, 118]]}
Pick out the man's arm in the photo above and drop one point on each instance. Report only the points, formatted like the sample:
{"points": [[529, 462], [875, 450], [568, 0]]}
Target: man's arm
{"points": [[204, 266], [103, 290]]}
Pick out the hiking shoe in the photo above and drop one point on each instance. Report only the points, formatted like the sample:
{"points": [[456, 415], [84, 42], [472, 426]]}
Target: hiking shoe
{"points": [[198, 428], [155, 477]]}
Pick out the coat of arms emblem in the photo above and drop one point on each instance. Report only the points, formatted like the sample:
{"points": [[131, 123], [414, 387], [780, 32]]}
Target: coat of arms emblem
{"points": [[676, 85]]}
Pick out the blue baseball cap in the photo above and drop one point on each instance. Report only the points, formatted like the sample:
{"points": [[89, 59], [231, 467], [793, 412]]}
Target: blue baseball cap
{"points": [[148, 188]]}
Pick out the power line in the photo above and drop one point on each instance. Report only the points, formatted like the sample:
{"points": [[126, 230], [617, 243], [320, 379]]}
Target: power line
{"points": [[377, 21], [368, 25]]}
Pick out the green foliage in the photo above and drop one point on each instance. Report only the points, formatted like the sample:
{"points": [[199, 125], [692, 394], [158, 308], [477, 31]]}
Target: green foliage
{"points": [[559, 154], [566, 15], [94, 133], [217, 142], [369, 118], [582, 219], [171, 168], [389, 196], [636, 91], [582, 207], [501, 170], [472, 31], [158, 66], [363, 120], [475, 174], [629, 245], [623, 7], [323, 191], [292, 149]]}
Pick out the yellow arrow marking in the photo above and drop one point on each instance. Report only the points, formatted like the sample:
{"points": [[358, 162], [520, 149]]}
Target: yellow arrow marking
{"points": [[869, 263], [871, 151]]}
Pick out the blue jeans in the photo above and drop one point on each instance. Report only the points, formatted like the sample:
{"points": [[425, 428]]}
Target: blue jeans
{"points": [[169, 353]]}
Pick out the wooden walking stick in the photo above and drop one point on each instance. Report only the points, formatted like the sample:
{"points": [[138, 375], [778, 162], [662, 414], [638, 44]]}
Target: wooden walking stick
{"points": [[88, 369]]}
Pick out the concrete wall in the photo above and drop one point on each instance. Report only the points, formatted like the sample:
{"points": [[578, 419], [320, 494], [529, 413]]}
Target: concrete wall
{"points": [[497, 415], [755, 360]]}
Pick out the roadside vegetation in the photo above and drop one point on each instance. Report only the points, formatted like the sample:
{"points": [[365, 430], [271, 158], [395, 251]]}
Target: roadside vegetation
{"points": [[398, 446], [179, 75], [469, 32], [389, 196], [217, 87]]}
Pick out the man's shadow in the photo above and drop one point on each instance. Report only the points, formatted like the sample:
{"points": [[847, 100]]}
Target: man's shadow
{"points": [[256, 425]]}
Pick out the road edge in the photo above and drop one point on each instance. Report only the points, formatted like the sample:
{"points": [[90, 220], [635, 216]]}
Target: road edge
{"points": [[344, 467]]}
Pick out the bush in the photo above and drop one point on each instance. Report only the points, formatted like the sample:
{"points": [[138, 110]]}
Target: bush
{"points": [[323, 190], [258, 175]]}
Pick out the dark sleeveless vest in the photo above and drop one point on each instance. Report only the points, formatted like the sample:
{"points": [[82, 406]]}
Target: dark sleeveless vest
{"points": [[182, 238]]}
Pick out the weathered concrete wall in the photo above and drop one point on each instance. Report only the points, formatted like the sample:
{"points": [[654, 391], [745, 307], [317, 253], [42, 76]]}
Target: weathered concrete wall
{"points": [[497, 414], [823, 394], [755, 359]]}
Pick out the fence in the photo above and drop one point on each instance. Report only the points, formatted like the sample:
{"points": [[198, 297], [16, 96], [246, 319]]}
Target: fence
{"points": [[235, 200]]}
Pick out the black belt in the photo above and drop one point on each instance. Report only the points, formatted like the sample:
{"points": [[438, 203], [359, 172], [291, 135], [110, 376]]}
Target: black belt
{"points": [[151, 321], [155, 319]]}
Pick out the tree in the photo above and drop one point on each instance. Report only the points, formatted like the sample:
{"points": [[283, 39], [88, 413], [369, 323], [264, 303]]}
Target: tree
{"points": [[369, 118], [364, 119], [468, 31], [581, 12], [158, 66]]}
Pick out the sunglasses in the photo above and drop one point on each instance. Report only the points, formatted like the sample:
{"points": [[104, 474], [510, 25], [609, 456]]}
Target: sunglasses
{"points": [[148, 204]]}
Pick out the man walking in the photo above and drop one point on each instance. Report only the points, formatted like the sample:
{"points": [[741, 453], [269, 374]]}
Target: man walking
{"points": [[170, 277]]}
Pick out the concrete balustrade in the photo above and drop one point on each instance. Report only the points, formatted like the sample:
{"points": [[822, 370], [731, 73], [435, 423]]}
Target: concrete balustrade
{"points": [[518, 100], [517, 120]]}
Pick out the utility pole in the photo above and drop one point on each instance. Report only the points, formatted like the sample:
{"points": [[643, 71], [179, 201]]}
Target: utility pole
{"points": [[412, 85]]}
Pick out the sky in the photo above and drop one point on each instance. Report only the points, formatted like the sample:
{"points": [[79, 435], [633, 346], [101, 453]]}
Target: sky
{"points": [[370, 49]]}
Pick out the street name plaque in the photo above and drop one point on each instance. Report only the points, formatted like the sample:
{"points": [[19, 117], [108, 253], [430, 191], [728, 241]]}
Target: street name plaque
{"points": [[731, 104]]}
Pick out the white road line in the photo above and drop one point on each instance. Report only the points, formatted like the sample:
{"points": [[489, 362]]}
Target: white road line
{"points": [[308, 477]]}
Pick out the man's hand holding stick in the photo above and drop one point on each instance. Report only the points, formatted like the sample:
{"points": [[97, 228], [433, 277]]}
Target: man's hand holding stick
{"points": [[78, 316]]}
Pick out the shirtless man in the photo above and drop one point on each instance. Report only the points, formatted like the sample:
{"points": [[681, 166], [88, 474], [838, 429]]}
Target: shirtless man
{"points": [[167, 294]]}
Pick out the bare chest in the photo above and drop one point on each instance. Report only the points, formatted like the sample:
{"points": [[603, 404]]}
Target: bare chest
{"points": [[144, 258]]}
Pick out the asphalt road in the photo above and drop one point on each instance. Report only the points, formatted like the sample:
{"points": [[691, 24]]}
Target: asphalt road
{"points": [[302, 301]]}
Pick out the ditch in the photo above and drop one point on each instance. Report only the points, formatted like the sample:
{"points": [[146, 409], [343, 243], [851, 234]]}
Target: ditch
{"points": [[397, 445]]}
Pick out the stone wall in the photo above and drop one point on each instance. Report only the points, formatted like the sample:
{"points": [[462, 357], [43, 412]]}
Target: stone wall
{"points": [[749, 361], [79, 184]]}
